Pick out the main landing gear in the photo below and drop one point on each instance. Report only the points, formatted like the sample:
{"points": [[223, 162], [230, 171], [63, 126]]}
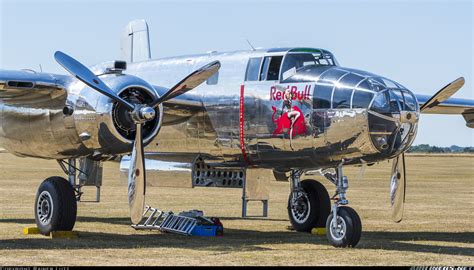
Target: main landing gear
{"points": [[56, 201], [55, 206], [309, 207]]}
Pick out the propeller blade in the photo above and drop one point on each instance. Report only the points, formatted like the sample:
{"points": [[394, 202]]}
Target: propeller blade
{"points": [[190, 82], [398, 187], [443, 94], [137, 179], [361, 174], [82, 73]]}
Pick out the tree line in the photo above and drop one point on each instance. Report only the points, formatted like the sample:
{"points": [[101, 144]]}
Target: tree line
{"points": [[426, 148]]}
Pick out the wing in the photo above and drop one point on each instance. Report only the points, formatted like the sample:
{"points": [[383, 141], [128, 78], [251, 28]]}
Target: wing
{"points": [[441, 103], [448, 106], [30, 88]]}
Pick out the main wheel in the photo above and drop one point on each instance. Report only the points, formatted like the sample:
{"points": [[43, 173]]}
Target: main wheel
{"points": [[55, 206], [346, 230], [310, 207]]}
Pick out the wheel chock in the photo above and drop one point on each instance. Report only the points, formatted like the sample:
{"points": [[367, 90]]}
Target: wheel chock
{"points": [[318, 231], [30, 230], [53, 235]]}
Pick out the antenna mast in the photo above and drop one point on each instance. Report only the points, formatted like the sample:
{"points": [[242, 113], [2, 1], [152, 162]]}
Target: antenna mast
{"points": [[251, 46]]}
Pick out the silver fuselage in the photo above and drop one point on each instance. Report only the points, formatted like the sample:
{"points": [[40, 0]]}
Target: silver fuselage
{"points": [[234, 121]]}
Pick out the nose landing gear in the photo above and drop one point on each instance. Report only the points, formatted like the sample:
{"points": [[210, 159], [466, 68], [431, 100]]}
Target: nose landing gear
{"points": [[343, 226], [309, 207]]}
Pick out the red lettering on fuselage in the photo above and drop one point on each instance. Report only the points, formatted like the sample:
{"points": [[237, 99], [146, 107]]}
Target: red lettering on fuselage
{"points": [[276, 94]]}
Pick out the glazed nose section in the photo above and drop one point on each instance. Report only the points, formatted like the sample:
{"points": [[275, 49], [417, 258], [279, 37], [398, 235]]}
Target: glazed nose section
{"points": [[393, 119]]}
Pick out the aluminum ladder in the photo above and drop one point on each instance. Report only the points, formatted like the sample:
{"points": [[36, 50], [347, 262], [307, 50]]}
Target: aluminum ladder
{"points": [[155, 219]]}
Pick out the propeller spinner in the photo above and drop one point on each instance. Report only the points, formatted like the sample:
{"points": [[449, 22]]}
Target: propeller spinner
{"points": [[140, 114]]}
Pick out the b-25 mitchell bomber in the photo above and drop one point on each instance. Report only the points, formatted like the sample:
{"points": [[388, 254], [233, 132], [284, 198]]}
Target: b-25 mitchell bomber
{"points": [[214, 116]]}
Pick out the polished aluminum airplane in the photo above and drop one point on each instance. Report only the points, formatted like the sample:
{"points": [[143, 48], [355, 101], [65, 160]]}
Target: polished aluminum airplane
{"points": [[295, 111]]}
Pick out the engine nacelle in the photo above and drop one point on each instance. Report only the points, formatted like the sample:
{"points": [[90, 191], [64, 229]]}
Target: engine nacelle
{"points": [[105, 127]]}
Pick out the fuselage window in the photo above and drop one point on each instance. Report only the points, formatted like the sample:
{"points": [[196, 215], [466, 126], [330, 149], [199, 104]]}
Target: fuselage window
{"points": [[361, 99], [410, 101], [322, 96], [271, 68], [342, 98], [213, 79], [396, 101], [253, 67], [381, 103]]}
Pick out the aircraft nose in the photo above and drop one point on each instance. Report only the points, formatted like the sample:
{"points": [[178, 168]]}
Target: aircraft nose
{"points": [[393, 119]]}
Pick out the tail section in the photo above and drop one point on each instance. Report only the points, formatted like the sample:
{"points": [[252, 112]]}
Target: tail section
{"points": [[135, 45]]}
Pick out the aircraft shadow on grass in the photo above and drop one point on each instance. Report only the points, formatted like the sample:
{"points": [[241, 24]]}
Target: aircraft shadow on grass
{"points": [[238, 239]]}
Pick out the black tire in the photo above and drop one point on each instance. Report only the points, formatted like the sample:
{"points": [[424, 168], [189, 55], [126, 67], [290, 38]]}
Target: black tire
{"points": [[319, 207], [55, 206], [353, 228]]}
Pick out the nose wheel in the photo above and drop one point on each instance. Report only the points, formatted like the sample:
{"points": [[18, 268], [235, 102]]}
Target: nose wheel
{"points": [[343, 226], [344, 229]]}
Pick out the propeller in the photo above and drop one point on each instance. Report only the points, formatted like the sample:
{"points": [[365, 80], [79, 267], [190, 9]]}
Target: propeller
{"points": [[140, 113], [398, 176], [443, 94], [398, 187], [137, 178], [81, 72]]}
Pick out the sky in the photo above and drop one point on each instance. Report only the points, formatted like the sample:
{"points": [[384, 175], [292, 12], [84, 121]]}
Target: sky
{"points": [[423, 45]]}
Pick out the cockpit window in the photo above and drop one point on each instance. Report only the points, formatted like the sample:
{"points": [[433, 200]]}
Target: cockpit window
{"points": [[270, 68], [295, 61]]}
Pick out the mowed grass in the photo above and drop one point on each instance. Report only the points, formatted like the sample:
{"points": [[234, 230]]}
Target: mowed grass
{"points": [[437, 230]]}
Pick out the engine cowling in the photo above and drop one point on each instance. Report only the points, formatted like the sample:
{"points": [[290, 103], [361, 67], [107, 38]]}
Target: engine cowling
{"points": [[106, 127]]}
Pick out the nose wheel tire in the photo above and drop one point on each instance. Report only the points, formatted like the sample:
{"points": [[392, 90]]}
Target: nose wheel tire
{"points": [[55, 206], [309, 207], [346, 230]]}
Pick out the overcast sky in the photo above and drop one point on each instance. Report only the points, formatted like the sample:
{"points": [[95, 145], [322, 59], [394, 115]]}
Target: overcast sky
{"points": [[421, 44]]}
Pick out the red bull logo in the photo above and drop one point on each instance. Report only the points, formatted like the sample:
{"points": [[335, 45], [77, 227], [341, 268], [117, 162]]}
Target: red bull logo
{"points": [[276, 94]]}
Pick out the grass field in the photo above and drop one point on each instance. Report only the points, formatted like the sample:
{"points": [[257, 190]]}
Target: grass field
{"points": [[437, 230]]}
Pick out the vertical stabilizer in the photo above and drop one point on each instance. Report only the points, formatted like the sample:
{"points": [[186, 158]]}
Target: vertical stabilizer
{"points": [[135, 45]]}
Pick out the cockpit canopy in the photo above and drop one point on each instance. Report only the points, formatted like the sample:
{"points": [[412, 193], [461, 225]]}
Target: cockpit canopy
{"points": [[335, 87], [281, 64]]}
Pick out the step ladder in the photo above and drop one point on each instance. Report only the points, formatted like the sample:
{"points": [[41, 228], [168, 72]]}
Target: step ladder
{"points": [[155, 219]]}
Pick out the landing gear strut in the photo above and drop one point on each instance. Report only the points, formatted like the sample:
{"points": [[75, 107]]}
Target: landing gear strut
{"points": [[308, 204], [343, 226]]}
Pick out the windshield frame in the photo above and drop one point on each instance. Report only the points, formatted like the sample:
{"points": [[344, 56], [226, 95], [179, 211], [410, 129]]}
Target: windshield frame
{"points": [[325, 55]]}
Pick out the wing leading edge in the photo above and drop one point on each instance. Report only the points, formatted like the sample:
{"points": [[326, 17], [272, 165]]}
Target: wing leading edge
{"points": [[449, 106]]}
